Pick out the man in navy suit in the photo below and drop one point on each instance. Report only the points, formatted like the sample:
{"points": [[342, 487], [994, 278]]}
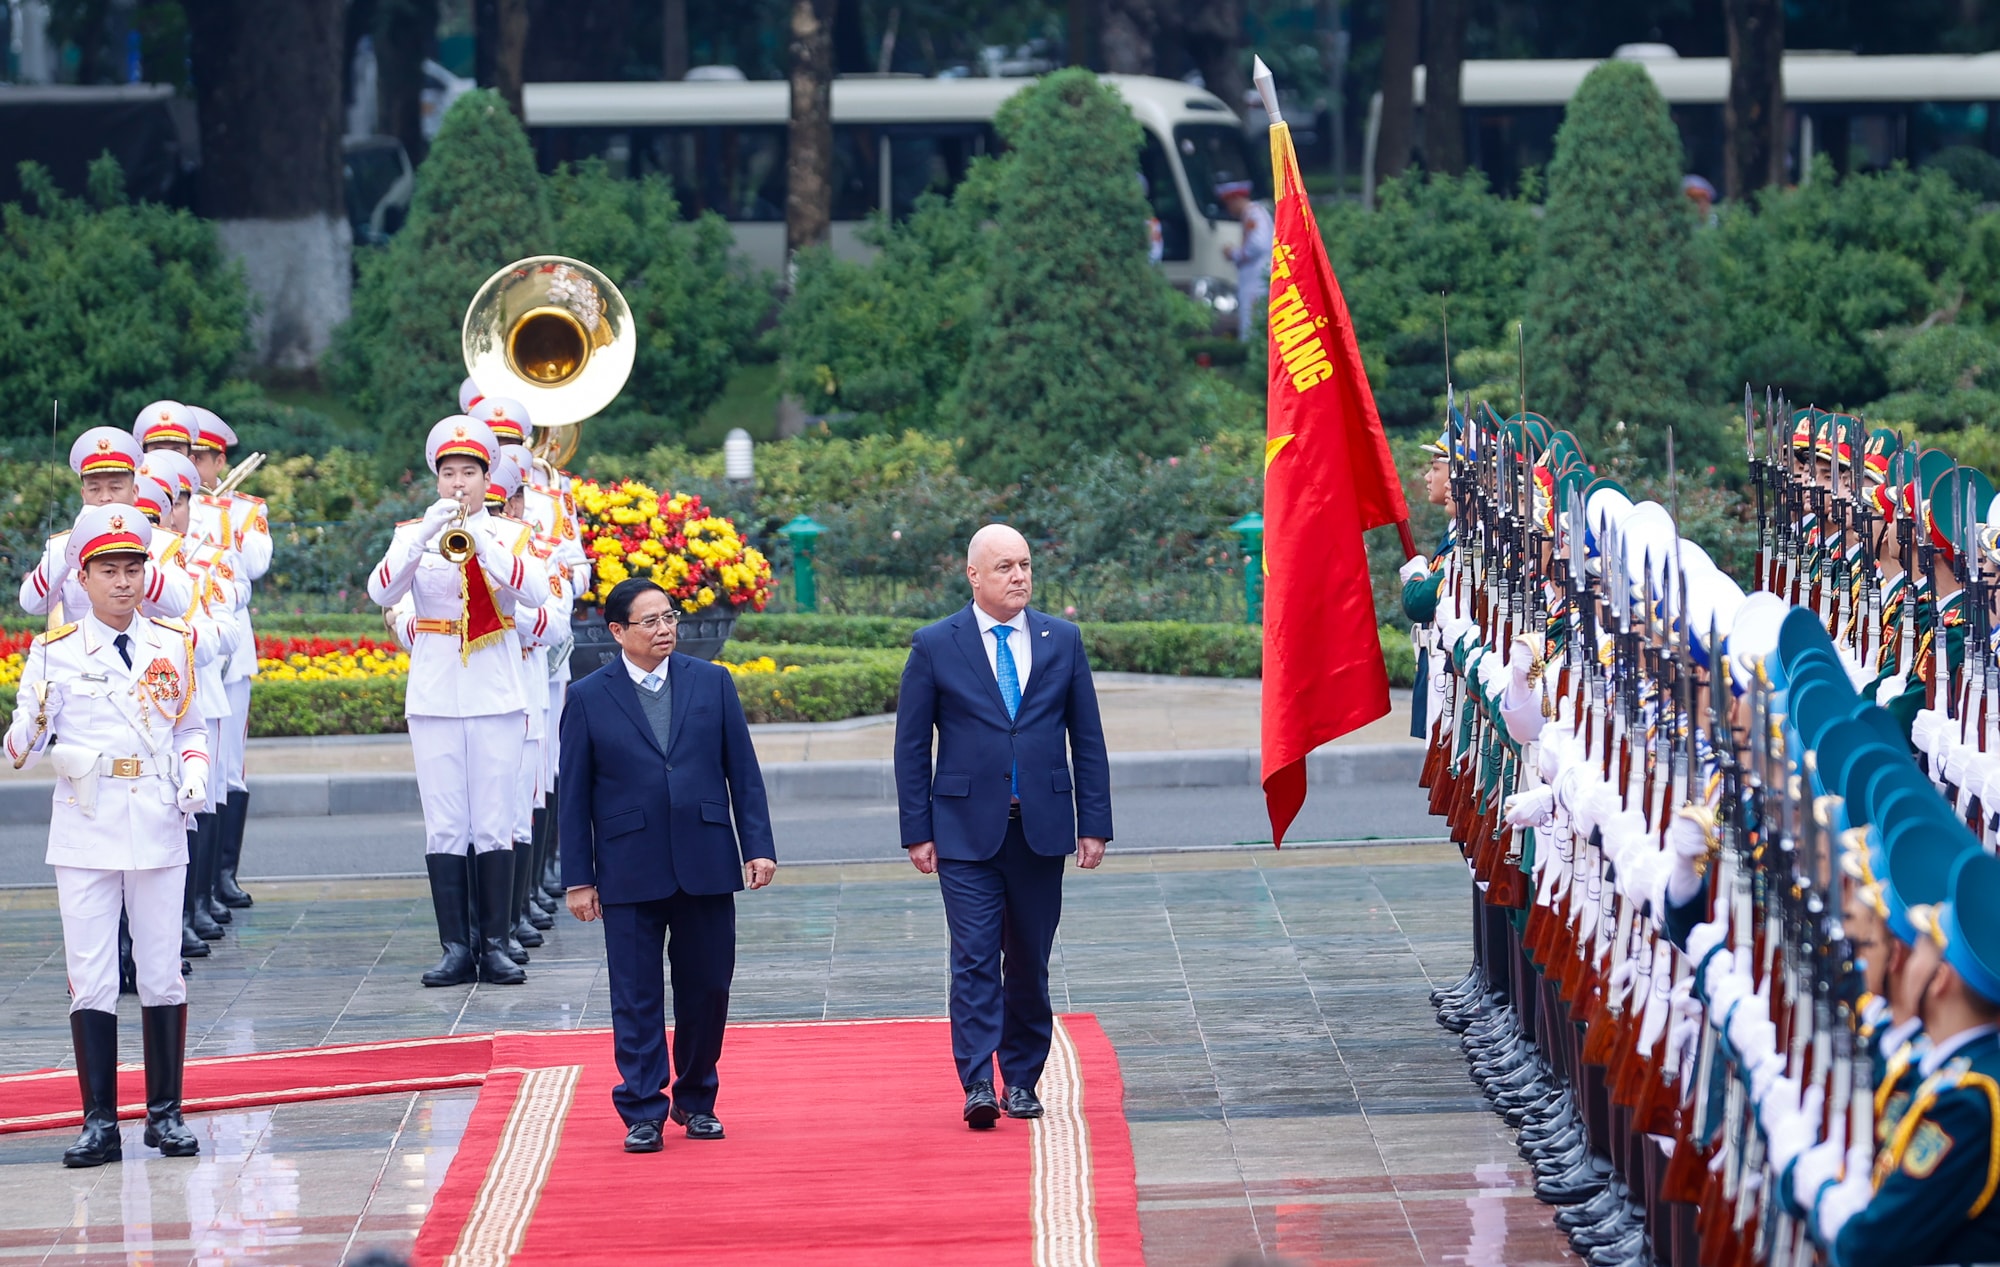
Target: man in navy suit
{"points": [[655, 756], [1021, 781]]}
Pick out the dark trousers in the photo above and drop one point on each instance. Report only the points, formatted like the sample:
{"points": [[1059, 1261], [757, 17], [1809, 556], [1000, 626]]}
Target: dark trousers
{"points": [[1002, 913], [702, 960]]}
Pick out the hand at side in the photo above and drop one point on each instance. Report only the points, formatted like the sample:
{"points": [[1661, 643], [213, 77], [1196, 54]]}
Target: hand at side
{"points": [[1089, 851], [583, 903], [924, 857]]}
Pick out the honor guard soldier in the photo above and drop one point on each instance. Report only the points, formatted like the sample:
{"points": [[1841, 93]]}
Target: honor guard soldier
{"points": [[466, 574], [106, 461], [108, 700], [1929, 1195], [237, 522]]}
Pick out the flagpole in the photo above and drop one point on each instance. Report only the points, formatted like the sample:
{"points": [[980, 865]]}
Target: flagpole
{"points": [[1267, 88]]}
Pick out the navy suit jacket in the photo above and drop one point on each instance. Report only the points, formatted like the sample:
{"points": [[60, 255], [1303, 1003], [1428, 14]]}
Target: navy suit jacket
{"points": [[641, 824], [949, 687]]}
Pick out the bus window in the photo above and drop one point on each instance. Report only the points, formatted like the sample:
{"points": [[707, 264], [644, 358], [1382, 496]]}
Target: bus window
{"points": [[1164, 197], [556, 146], [735, 171], [1213, 153], [931, 158], [857, 171], [1509, 141]]}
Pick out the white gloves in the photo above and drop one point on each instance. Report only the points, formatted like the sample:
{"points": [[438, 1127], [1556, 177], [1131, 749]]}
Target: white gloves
{"points": [[1847, 1198], [1532, 808], [1687, 843], [441, 512], [1703, 938], [1414, 570], [193, 796], [1892, 686]]}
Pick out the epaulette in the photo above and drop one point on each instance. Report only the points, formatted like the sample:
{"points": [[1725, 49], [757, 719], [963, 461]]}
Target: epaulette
{"points": [[60, 536], [253, 500], [404, 523], [174, 623], [59, 632]]}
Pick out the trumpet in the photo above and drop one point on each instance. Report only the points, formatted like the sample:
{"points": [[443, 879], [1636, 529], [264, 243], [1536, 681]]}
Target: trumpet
{"points": [[455, 543], [238, 474]]}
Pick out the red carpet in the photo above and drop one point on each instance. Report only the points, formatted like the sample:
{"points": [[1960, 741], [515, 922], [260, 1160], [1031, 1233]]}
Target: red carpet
{"points": [[844, 1147], [50, 1098]]}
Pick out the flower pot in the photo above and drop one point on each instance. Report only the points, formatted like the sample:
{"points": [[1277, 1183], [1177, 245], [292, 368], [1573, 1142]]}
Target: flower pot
{"points": [[701, 636]]}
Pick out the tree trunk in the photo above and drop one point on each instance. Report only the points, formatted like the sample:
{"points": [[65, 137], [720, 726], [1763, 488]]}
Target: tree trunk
{"points": [[1399, 63], [673, 39], [1444, 115], [1130, 32], [1214, 34], [403, 29], [510, 51], [1080, 42], [809, 159], [1754, 116], [267, 88]]}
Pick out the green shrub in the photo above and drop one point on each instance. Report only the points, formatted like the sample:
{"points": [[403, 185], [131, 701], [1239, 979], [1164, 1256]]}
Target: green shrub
{"points": [[822, 692], [696, 307], [1816, 274], [1945, 378], [1398, 655], [881, 344], [1079, 344], [282, 624], [1434, 246], [1172, 647], [824, 631], [107, 305], [1619, 307], [479, 205], [364, 706]]}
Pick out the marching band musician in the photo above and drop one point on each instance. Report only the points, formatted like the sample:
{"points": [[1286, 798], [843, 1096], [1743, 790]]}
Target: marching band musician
{"points": [[547, 629], [466, 707], [239, 524], [108, 699], [105, 460]]}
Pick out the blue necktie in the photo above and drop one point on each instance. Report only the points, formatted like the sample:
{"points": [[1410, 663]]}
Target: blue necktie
{"points": [[651, 682], [1010, 688]]}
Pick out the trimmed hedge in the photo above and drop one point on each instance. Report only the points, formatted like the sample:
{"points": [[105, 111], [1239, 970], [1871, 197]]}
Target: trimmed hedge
{"points": [[1173, 648], [341, 706]]}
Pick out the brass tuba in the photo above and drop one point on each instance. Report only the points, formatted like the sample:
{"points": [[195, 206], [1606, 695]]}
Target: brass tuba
{"points": [[554, 334]]}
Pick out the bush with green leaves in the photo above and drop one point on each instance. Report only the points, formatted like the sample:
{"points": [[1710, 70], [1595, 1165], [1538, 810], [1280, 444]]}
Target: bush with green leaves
{"points": [[1080, 345], [108, 304], [1435, 248], [1619, 305], [480, 205], [1819, 278], [1945, 378], [878, 346]]}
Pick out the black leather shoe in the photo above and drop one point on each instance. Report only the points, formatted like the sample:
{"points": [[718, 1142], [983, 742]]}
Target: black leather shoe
{"points": [[981, 1109], [192, 947], [699, 1125], [526, 933], [1021, 1102], [1567, 1191], [449, 896], [540, 916], [1604, 1205], [643, 1137], [1631, 1249]]}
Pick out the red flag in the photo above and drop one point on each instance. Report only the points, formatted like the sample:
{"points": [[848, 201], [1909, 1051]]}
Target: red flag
{"points": [[483, 625], [1328, 478]]}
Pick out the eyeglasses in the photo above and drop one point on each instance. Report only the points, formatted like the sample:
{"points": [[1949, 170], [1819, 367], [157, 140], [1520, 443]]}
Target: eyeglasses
{"points": [[653, 623]]}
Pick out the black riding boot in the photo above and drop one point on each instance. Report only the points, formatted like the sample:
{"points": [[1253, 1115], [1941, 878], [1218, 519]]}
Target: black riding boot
{"points": [[524, 863], [450, 889], [128, 969], [551, 848], [211, 869], [235, 813], [165, 1030], [200, 842], [95, 1036], [493, 881], [194, 942]]}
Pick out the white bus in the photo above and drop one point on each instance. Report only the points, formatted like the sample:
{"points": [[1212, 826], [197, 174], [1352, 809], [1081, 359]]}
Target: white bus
{"points": [[722, 143], [1862, 113]]}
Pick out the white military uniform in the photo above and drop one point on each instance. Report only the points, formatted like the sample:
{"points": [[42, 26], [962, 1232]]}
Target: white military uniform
{"points": [[117, 832], [466, 707], [237, 522]]}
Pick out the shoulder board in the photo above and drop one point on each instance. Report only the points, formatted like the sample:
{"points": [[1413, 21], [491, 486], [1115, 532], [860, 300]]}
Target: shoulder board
{"points": [[404, 523], [56, 541], [246, 497], [60, 631], [170, 622]]}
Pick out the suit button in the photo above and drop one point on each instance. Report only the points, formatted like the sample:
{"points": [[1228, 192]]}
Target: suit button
{"points": [[670, 769], [1014, 734]]}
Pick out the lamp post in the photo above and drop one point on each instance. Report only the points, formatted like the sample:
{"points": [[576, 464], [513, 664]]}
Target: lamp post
{"points": [[1250, 529], [804, 533]]}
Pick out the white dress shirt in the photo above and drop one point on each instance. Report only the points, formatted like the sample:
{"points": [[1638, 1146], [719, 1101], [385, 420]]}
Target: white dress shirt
{"points": [[639, 675], [1017, 642]]}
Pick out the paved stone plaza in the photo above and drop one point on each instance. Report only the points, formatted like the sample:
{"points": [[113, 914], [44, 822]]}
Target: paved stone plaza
{"points": [[1290, 1097]]}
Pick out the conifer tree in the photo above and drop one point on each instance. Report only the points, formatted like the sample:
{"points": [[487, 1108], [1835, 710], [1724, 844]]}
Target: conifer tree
{"points": [[479, 205], [1619, 307], [1080, 348]]}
